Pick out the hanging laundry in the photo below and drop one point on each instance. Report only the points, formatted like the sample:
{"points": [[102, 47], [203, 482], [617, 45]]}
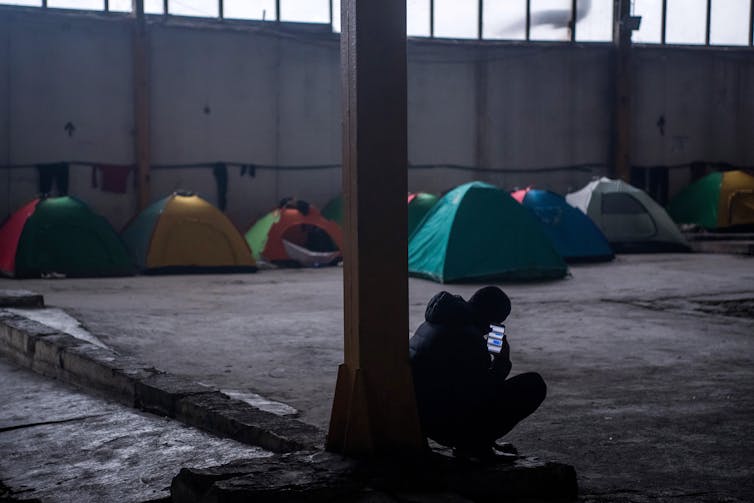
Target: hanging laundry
{"points": [[221, 178], [114, 177], [249, 169], [53, 173]]}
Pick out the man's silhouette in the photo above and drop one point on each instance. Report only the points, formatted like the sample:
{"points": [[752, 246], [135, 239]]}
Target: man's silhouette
{"points": [[463, 395]]}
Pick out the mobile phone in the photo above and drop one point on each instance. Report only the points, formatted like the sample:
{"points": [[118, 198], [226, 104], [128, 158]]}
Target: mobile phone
{"points": [[495, 338]]}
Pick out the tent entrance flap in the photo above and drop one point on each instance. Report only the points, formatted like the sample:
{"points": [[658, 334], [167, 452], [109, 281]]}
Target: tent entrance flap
{"points": [[307, 257], [310, 237], [741, 207]]}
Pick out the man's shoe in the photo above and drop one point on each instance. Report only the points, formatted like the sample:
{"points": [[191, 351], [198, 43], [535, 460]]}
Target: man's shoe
{"points": [[505, 448]]}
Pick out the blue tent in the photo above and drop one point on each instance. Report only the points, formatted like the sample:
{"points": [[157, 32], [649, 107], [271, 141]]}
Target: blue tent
{"points": [[575, 236]]}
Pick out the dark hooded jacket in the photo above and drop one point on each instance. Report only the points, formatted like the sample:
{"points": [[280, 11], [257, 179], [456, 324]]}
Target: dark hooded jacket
{"points": [[455, 377]]}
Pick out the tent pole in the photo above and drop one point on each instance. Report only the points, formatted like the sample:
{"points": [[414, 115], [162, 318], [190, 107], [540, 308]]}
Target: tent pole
{"points": [[374, 410]]}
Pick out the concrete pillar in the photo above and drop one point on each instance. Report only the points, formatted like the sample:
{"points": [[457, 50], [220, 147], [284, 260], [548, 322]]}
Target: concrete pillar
{"points": [[141, 102], [374, 410], [621, 130]]}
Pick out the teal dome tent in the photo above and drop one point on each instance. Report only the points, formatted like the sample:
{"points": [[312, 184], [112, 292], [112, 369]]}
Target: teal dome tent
{"points": [[477, 232]]}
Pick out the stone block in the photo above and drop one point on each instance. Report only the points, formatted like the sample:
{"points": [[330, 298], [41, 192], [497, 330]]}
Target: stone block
{"points": [[526, 478], [322, 476], [18, 334], [20, 298], [159, 393], [103, 371], [217, 413], [46, 358], [289, 477]]}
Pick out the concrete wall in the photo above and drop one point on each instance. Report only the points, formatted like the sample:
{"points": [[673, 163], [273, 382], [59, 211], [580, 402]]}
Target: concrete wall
{"points": [[707, 100], [246, 94]]}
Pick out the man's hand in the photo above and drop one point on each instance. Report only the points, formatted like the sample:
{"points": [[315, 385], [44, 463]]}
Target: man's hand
{"points": [[501, 362], [505, 351]]}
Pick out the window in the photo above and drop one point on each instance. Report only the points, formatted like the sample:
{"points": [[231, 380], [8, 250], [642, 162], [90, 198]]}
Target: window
{"points": [[417, 18], [77, 4], [620, 203], [662, 21], [650, 30], [729, 23], [686, 22], [153, 7], [456, 18], [250, 9], [196, 8], [504, 19], [120, 5], [305, 11], [594, 20], [336, 16], [550, 19], [25, 3]]}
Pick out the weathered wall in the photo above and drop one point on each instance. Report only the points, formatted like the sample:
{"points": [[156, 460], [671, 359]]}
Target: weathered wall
{"points": [[245, 94], [706, 99]]}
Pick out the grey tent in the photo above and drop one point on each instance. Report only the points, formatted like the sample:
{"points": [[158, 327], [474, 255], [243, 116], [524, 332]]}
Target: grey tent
{"points": [[630, 219]]}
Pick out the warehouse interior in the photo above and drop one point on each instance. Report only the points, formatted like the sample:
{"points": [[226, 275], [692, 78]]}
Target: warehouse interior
{"points": [[206, 280]]}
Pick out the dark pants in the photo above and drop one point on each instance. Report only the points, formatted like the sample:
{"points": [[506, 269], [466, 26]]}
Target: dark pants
{"points": [[56, 173], [515, 399]]}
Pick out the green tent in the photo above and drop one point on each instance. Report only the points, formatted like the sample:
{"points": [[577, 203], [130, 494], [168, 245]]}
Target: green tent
{"points": [[478, 232], [419, 203], [61, 235], [334, 210]]}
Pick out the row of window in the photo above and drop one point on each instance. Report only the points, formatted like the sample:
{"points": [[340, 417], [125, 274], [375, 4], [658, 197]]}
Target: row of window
{"points": [[716, 22]]}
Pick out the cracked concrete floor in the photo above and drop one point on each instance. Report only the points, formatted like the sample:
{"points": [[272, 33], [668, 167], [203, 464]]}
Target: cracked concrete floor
{"points": [[60, 445], [650, 397]]}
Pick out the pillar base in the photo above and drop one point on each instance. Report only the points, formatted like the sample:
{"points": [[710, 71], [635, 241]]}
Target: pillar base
{"points": [[367, 422]]}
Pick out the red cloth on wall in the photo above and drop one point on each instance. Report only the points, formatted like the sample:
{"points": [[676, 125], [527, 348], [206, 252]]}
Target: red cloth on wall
{"points": [[114, 177]]}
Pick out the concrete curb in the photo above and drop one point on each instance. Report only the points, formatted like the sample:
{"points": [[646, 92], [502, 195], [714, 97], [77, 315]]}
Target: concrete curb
{"points": [[49, 352], [726, 247], [20, 298], [731, 243]]}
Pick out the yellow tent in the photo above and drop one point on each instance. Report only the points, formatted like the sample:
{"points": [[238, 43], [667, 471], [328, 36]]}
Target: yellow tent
{"points": [[737, 198], [185, 233]]}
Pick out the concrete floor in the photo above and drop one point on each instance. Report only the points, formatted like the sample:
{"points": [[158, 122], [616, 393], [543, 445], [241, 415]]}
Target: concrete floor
{"points": [[649, 359], [60, 445]]}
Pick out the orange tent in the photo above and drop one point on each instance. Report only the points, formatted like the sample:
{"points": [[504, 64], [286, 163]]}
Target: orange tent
{"points": [[288, 235]]}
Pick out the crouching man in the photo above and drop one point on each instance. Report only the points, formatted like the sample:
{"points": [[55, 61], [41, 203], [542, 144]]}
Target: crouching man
{"points": [[464, 398]]}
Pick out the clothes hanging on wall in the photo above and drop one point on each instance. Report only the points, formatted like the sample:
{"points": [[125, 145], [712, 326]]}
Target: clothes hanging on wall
{"points": [[249, 169], [53, 173], [221, 178], [114, 178]]}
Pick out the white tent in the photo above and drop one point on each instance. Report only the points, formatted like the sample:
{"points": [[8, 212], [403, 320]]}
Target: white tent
{"points": [[628, 217]]}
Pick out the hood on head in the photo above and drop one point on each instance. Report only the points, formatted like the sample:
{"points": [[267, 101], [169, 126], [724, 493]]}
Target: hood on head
{"points": [[448, 309]]}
